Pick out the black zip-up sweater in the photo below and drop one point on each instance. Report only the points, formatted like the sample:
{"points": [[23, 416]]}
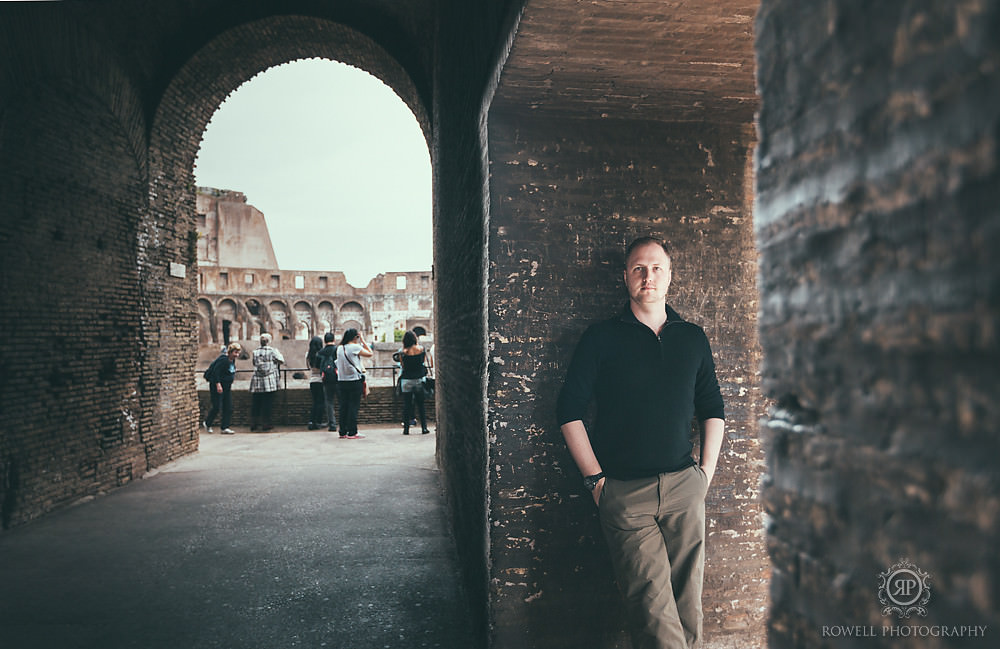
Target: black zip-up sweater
{"points": [[647, 387], [218, 371]]}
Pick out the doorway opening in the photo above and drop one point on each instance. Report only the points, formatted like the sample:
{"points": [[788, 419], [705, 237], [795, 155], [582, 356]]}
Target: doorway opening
{"points": [[314, 185]]}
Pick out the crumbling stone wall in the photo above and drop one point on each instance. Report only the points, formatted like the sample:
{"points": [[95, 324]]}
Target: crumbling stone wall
{"points": [[878, 225], [231, 232], [567, 196], [325, 302]]}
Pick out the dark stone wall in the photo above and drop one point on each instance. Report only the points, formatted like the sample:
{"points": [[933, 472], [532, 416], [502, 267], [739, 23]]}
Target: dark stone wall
{"points": [[566, 198], [87, 319], [471, 47], [878, 224]]}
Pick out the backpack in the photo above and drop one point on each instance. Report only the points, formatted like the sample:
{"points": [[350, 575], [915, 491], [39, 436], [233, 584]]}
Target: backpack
{"points": [[209, 371], [328, 364]]}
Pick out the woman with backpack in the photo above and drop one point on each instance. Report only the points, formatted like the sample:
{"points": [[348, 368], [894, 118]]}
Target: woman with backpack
{"points": [[313, 361], [328, 370]]}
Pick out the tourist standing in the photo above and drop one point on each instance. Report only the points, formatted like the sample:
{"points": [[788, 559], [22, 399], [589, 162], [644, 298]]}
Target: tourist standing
{"points": [[267, 363], [351, 381], [328, 369], [411, 381], [313, 361], [220, 376]]}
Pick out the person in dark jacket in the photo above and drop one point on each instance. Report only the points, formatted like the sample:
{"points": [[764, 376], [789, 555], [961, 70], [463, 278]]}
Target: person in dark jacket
{"points": [[651, 373], [220, 375], [329, 378]]}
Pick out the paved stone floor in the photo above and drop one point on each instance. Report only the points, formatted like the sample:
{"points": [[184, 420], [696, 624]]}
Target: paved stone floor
{"points": [[285, 539]]}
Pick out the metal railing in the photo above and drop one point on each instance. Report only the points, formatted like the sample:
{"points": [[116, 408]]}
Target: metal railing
{"points": [[306, 373]]}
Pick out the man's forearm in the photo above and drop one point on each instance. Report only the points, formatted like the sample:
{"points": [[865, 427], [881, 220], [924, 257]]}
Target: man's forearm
{"points": [[712, 434], [578, 443]]}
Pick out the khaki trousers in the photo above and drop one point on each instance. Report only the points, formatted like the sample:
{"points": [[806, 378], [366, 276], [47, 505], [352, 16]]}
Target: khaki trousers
{"points": [[655, 528]]}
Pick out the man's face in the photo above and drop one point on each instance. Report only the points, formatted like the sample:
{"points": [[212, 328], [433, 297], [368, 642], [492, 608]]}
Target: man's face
{"points": [[647, 274], [232, 354]]}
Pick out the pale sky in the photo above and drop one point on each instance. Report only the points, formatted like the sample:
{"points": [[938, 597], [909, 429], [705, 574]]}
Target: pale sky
{"points": [[335, 161]]}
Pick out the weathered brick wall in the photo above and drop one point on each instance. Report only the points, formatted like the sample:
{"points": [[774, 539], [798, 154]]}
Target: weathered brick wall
{"points": [[878, 224], [81, 368], [566, 198]]}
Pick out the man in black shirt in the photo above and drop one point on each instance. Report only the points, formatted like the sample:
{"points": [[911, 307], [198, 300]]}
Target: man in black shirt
{"points": [[651, 373]]}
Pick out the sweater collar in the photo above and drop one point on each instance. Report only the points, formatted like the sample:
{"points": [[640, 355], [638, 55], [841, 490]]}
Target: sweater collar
{"points": [[626, 314]]}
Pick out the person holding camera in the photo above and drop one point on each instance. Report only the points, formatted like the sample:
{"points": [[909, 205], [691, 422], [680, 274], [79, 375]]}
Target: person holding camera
{"points": [[351, 381]]}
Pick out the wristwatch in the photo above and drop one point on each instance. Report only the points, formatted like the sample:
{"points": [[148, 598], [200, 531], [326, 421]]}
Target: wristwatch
{"points": [[591, 481]]}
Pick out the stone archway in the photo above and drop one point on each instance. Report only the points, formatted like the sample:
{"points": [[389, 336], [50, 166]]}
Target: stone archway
{"points": [[352, 316], [305, 326], [326, 317], [206, 323], [280, 320]]}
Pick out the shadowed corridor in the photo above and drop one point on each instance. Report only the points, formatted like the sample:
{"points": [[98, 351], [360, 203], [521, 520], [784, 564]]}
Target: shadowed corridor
{"points": [[291, 539]]}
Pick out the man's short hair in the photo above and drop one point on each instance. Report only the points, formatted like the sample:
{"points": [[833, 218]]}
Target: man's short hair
{"points": [[234, 347], [328, 337], [265, 339], [642, 241]]}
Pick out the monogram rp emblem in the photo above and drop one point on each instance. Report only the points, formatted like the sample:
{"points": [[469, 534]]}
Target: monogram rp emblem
{"points": [[903, 590]]}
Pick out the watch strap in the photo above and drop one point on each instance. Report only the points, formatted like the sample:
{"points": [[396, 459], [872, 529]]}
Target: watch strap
{"points": [[591, 481]]}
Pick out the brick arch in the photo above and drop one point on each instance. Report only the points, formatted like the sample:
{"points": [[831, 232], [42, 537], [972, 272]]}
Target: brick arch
{"points": [[206, 322], [326, 317], [304, 316], [193, 93], [280, 317], [354, 314], [239, 54], [352, 324], [238, 317]]}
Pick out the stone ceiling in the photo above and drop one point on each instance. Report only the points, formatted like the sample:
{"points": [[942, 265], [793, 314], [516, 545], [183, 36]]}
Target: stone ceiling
{"points": [[663, 60]]}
